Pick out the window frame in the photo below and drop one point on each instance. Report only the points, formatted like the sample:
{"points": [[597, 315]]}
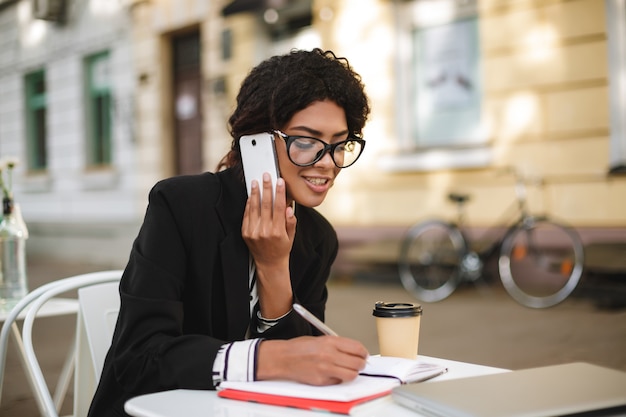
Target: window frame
{"points": [[616, 44], [99, 117], [472, 152], [36, 115]]}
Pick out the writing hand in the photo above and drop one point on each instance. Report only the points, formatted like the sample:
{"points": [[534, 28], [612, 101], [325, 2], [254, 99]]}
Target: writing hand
{"points": [[322, 360]]}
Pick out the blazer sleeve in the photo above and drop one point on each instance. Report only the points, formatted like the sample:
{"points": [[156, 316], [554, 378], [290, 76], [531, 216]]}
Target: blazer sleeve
{"points": [[151, 350]]}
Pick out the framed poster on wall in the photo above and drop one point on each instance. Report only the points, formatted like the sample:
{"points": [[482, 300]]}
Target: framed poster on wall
{"points": [[448, 88]]}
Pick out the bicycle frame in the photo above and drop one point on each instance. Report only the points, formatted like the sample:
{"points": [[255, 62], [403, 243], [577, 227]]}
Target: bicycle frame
{"points": [[505, 227]]}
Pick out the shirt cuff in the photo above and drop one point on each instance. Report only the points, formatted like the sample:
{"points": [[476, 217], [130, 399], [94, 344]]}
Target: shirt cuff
{"points": [[265, 324], [236, 361]]}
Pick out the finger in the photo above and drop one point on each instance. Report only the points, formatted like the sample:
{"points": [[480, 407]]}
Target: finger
{"points": [[255, 198], [351, 363], [346, 357], [251, 212], [291, 223], [280, 201], [266, 199], [351, 359], [345, 369], [352, 347]]}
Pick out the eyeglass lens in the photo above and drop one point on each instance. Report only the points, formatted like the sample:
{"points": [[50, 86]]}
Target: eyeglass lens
{"points": [[307, 151]]}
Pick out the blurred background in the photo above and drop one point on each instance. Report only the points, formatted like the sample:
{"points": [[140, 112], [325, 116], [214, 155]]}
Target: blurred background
{"points": [[99, 99], [102, 98]]}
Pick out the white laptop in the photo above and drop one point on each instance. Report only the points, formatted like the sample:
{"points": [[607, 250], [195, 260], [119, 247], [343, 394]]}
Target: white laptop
{"points": [[558, 390]]}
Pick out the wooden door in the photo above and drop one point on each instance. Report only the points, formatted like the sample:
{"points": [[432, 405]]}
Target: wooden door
{"points": [[187, 104]]}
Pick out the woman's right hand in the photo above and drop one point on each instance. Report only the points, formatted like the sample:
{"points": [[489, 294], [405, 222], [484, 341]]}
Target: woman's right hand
{"points": [[313, 360], [269, 235]]}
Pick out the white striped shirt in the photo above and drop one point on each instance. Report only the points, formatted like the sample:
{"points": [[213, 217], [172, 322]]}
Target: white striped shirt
{"points": [[236, 361]]}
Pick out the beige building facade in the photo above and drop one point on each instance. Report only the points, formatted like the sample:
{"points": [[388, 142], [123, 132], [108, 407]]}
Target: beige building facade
{"points": [[541, 100]]}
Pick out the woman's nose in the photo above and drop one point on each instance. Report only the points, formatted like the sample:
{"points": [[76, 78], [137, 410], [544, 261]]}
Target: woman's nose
{"points": [[326, 160]]}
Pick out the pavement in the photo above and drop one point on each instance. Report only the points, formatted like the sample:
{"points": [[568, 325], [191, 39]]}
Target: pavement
{"points": [[477, 323]]}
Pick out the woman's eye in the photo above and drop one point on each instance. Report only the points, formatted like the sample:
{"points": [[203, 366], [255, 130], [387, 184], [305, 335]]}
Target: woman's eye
{"points": [[305, 144]]}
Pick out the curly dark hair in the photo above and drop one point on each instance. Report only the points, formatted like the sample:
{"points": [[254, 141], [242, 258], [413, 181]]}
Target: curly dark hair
{"points": [[283, 85]]}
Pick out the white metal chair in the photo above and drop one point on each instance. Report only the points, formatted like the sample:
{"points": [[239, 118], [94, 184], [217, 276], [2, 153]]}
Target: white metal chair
{"points": [[86, 375], [58, 307], [99, 308]]}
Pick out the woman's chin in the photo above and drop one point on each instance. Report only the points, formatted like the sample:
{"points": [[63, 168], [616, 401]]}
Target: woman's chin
{"points": [[311, 201]]}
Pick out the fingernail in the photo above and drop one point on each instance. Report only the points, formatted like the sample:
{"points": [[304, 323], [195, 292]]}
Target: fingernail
{"points": [[266, 176]]}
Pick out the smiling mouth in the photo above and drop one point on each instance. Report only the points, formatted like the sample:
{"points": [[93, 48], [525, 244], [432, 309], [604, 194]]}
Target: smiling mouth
{"points": [[317, 181]]}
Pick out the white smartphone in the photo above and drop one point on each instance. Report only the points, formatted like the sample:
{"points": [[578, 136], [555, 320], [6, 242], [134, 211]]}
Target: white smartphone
{"points": [[258, 155]]}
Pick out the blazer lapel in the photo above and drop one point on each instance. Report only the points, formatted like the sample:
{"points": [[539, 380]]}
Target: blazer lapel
{"points": [[303, 255], [236, 285], [233, 252]]}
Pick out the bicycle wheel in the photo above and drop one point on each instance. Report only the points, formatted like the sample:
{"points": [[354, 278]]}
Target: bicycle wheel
{"points": [[541, 263], [430, 260]]}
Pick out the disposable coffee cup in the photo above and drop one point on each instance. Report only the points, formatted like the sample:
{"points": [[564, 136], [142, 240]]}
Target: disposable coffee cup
{"points": [[398, 327]]}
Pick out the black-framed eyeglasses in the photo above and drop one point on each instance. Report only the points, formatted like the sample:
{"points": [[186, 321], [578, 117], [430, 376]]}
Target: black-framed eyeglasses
{"points": [[305, 151]]}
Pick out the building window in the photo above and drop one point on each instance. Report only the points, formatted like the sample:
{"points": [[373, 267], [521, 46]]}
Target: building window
{"points": [[447, 91], [439, 87], [99, 152], [227, 44], [36, 114], [616, 35]]}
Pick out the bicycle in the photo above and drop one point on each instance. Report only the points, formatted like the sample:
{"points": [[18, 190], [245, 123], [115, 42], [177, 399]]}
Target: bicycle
{"points": [[540, 261]]}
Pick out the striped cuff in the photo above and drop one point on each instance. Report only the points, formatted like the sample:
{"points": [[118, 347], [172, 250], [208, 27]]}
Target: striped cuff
{"points": [[265, 324], [236, 361]]}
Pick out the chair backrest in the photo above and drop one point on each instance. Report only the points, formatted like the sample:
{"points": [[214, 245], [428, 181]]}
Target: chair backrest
{"points": [[84, 364], [98, 309]]}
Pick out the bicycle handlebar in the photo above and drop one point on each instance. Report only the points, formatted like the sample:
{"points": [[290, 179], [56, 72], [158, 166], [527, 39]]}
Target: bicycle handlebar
{"points": [[521, 181]]}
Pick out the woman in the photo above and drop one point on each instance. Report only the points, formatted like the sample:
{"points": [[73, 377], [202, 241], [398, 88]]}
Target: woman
{"points": [[207, 292]]}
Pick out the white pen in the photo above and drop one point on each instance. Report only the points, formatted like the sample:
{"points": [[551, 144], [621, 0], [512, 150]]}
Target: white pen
{"points": [[308, 316]]}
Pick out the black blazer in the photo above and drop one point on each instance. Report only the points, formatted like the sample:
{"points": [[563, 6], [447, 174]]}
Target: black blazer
{"points": [[185, 292]]}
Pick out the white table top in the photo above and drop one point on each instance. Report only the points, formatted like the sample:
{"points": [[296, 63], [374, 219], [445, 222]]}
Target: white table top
{"points": [[54, 307], [201, 403]]}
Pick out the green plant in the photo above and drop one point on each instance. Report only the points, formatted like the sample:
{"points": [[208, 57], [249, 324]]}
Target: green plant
{"points": [[7, 165]]}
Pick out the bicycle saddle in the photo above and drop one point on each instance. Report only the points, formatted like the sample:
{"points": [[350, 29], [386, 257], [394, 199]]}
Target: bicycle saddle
{"points": [[458, 198]]}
